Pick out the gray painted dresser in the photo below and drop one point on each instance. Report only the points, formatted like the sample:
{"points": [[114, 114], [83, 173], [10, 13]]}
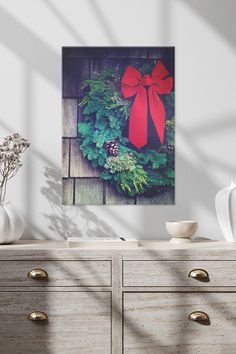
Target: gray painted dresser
{"points": [[157, 298]]}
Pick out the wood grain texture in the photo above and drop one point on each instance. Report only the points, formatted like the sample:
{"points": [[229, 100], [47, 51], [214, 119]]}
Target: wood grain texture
{"points": [[156, 199], [126, 52], [85, 52], [69, 117], [113, 197], [87, 319], [75, 71], [172, 273], [173, 288], [60, 273], [150, 250], [116, 52], [160, 52], [67, 191], [79, 166], [78, 323], [166, 197], [65, 157], [80, 113], [88, 191], [158, 323], [169, 197], [117, 305]]}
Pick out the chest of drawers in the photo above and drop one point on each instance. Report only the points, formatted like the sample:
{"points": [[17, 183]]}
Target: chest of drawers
{"points": [[147, 300]]}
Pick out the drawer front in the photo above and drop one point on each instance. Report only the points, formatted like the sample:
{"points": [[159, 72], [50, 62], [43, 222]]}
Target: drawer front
{"points": [[78, 322], [177, 273], [59, 273], [158, 323]]}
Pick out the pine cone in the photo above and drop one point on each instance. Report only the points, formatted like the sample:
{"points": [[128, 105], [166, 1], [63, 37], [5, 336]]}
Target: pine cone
{"points": [[112, 147]]}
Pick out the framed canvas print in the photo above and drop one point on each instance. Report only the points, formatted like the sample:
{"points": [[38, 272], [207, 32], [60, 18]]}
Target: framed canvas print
{"points": [[118, 142]]}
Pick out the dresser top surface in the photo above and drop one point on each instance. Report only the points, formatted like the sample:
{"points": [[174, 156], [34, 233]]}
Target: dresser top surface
{"points": [[45, 249], [143, 244]]}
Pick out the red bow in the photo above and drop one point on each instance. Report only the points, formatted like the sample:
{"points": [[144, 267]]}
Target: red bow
{"points": [[133, 84]]}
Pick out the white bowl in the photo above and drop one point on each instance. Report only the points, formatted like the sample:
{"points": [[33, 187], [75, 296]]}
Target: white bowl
{"points": [[181, 231]]}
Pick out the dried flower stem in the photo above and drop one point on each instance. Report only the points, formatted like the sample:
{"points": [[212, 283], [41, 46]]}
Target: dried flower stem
{"points": [[10, 160]]}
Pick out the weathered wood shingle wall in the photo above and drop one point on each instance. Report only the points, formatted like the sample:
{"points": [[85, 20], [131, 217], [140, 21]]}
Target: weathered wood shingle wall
{"points": [[81, 182]]}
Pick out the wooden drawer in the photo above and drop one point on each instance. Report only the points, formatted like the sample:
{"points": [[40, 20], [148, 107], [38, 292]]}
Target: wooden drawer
{"points": [[60, 273], [176, 273], [78, 322], [158, 323]]}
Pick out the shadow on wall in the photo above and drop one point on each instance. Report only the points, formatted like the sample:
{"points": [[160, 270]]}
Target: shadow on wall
{"points": [[220, 14], [64, 220]]}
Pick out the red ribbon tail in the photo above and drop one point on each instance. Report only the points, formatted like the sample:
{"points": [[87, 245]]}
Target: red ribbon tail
{"points": [[157, 111], [138, 119]]}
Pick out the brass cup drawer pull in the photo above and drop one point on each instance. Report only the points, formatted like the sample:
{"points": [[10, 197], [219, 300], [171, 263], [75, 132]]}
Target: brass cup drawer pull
{"points": [[37, 316], [198, 316], [38, 274], [199, 274]]}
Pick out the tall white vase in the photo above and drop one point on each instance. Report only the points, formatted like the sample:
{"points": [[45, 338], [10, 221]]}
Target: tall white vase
{"points": [[11, 223], [225, 203]]}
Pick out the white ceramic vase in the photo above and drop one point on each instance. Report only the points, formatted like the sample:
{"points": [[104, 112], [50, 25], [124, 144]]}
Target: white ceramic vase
{"points": [[225, 202], [11, 223]]}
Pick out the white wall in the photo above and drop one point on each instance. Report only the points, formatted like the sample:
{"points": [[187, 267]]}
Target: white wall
{"points": [[203, 31]]}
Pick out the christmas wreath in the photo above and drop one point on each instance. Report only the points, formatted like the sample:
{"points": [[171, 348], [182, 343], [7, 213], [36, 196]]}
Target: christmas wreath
{"points": [[118, 101]]}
